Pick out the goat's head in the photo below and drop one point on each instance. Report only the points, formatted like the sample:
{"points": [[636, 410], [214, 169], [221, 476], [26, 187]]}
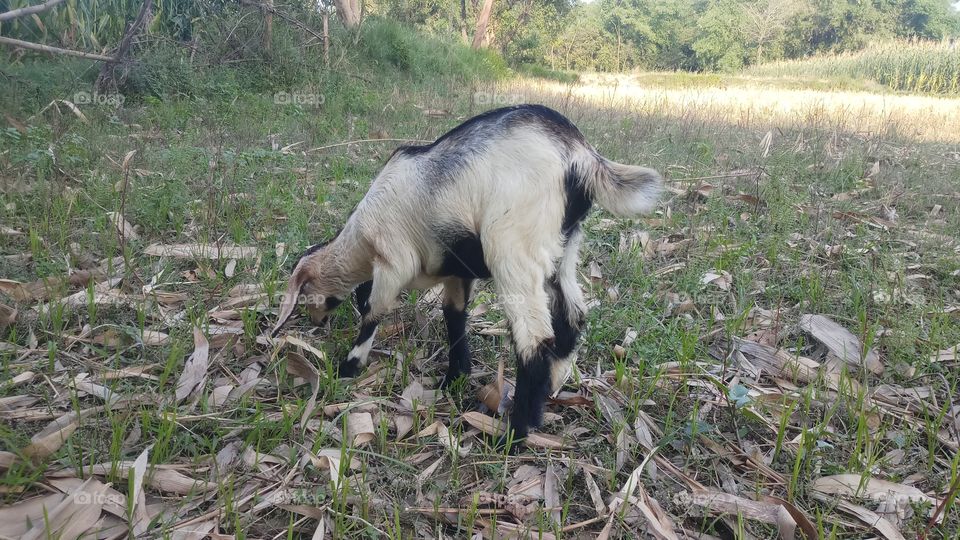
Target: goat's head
{"points": [[315, 282]]}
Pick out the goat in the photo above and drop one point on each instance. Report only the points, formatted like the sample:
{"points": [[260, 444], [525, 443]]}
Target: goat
{"points": [[501, 196]]}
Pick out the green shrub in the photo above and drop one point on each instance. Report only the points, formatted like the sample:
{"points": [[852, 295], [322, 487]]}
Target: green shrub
{"points": [[536, 70], [389, 44]]}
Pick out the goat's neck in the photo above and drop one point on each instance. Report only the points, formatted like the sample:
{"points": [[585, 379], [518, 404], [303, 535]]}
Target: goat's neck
{"points": [[350, 258]]}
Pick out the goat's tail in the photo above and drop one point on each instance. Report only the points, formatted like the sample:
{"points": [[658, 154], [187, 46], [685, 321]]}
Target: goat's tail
{"points": [[623, 190]]}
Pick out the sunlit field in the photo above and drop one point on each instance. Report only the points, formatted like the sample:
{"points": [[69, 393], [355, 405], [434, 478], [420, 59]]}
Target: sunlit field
{"points": [[761, 103]]}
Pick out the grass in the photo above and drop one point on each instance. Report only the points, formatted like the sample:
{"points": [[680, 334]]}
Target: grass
{"points": [[793, 204], [920, 67]]}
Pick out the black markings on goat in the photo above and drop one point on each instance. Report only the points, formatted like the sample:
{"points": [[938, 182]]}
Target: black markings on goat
{"points": [[501, 196]]}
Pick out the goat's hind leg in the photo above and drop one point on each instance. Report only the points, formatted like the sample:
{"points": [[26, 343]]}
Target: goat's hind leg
{"points": [[567, 310], [456, 296], [521, 290]]}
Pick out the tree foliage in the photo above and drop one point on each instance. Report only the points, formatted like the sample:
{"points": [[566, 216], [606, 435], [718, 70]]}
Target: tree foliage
{"points": [[603, 35]]}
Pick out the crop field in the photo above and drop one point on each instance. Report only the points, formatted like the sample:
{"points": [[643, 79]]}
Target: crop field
{"points": [[772, 354]]}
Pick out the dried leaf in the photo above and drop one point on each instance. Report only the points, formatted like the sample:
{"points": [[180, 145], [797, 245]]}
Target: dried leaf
{"points": [[7, 459], [294, 340], [127, 158], [153, 338], [535, 439], [17, 518], [551, 495], [403, 424], [415, 396], [299, 366], [594, 491], [201, 251], [489, 395], [718, 502], [871, 519], [122, 226], [330, 459], [951, 354], [231, 267], [721, 279], [8, 316], [855, 485], [160, 477], [139, 520], [76, 513], [360, 429], [595, 274], [778, 362], [194, 374], [660, 524], [74, 109], [841, 342], [52, 437], [486, 424]]}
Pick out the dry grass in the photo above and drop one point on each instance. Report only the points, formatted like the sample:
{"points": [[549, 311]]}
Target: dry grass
{"points": [[753, 104]]}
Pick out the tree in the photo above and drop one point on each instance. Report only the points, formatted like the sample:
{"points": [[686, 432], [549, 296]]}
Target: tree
{"points": [[349, 11], [482, 20], [928, 19], [767, 20], [720, 45]]}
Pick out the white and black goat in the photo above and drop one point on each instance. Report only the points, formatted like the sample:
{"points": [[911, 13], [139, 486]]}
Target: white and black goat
{"points": [[501, 196]]}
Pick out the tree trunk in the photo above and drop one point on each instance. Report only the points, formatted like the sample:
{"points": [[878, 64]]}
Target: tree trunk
{"points": [[349, 11], [326, 38], [463, 21], [267, 24], [108, 76], [482, 21]]}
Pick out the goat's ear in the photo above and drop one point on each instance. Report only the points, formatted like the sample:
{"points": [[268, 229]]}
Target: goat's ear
{"points": [[289, 301]]}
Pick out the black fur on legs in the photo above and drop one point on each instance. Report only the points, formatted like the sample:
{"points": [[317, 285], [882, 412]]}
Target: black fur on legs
{"points": [[533, 388], [565, 334], [455, 316], [459, 365], [348, 368], [361, 295], [534, 375], [351, 366]]}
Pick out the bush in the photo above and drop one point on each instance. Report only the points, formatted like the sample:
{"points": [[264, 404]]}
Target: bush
{"points": [[535, 70], [386, 43]]}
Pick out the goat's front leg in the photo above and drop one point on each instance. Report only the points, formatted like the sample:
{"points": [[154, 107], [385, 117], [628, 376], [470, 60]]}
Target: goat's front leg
{"points": [[456, 296], [368, 329], [374, 299]]}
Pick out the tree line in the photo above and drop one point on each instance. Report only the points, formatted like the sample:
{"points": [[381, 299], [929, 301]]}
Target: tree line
{"points": [[603, 35], [693, 35]]}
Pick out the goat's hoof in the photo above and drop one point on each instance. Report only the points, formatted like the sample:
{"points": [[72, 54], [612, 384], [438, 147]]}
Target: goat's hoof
{"points": [[455, 380], [348, 368], [509, 443]]}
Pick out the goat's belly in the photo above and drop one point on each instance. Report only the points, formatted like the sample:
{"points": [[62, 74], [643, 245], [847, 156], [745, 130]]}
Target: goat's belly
{"points": [[423, 281], [462, 256]]}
